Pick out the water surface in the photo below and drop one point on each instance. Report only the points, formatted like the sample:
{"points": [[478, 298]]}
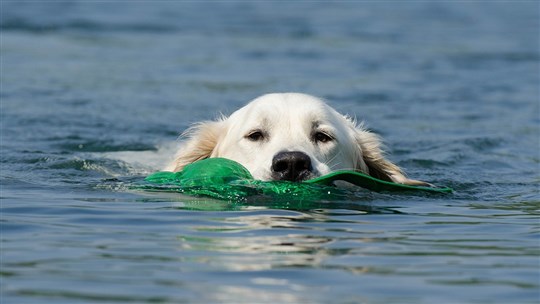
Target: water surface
{"points": [[94, 95]]}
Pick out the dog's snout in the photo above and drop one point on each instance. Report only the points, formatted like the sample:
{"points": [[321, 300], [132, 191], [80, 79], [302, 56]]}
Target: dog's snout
{"points": [[292, 166]]}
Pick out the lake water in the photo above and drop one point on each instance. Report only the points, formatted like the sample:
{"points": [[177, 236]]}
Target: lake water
{"points": [[95, 93]]}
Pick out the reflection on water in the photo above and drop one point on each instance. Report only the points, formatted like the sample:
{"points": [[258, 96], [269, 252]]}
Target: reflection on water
{"points": [[263, 254]]}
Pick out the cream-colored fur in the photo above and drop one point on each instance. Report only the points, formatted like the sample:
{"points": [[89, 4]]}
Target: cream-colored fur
{"points": [[289, 122]]}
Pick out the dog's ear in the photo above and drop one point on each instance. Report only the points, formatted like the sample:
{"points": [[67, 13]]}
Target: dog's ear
{"points": [[374, 162], [201, 141]]}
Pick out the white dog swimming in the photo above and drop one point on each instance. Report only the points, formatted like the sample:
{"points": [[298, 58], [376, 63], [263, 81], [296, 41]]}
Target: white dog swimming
{"points": [[289, 136]]}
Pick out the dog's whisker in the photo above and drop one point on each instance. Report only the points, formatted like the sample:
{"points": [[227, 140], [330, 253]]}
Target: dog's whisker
{"points": [[332, 159], [333, 166]]}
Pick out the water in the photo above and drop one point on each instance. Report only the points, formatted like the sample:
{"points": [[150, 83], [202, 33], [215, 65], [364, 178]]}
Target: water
{"points": [[94, 95]]}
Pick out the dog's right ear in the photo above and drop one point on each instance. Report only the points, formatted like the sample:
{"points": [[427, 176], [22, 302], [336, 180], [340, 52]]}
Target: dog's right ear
{"points": [[375, 164], [202, 139]]}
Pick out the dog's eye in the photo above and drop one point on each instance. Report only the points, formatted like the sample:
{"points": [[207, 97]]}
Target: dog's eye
{"points": [[322, 137], [255, 136]]}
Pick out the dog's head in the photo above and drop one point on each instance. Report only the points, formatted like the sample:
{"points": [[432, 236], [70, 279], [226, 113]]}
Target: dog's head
{"points": [[290, 137]]}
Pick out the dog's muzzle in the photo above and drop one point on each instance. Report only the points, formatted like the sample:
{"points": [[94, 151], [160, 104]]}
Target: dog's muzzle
{"points": [[292, 166]]}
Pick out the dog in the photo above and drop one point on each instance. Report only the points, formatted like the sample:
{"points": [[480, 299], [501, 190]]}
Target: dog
{"points": [[291, 137]]}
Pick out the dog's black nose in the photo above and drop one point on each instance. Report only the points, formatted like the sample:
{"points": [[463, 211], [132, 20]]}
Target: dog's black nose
{"points": [[291, 166]]}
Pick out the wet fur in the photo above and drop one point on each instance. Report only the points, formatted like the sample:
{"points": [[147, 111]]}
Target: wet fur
{"points": [[360, 147]]}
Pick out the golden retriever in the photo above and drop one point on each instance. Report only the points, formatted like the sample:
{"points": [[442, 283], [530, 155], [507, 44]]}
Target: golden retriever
{"points": [[289, 136]]}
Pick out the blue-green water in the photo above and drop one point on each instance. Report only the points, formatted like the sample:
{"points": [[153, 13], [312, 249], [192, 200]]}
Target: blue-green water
{"points": [[94, 94]]}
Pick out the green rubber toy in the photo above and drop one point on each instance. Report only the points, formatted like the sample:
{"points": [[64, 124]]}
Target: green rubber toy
{"points": [[226, 179]]}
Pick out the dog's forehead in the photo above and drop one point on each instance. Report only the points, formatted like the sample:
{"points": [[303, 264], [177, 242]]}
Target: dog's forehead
{"points": [[276, 108]]}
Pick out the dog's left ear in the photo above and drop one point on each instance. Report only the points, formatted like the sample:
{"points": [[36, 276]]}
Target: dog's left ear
{"points": [[373, 161], [201, 143]]}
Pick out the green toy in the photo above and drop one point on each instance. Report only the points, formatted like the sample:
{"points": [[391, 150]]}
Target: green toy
{"points": [[228, 180]]}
